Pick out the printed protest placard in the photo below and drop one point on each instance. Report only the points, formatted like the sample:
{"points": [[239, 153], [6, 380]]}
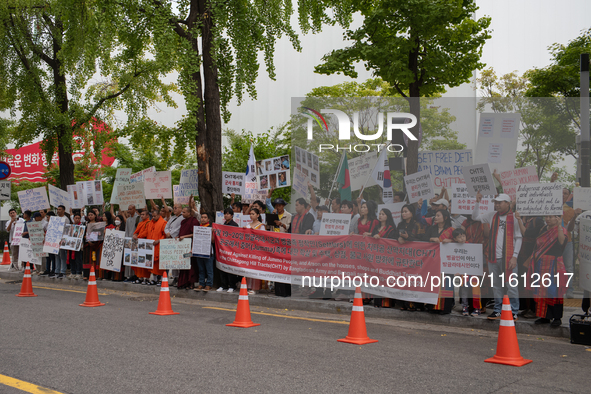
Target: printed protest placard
{"points": [[93, 192], [582, 198], [25, 253], [33, 199], [138, 252], [5, 190], [187, 186], [419, 185], [172, 252], [395, 208], [460, 259], [445, 166], [252, 193], [486, 126], [462, 203], [75, 194], [112, 250], [53, 236], [539, 199], [309, 164], [17, 236], [201, 241], [36, 238], [518, 176], [360, 169], [585, 254], [300, 183], [233, 182], [123, 177], [335, 224], [58, 197], [132, 194], [73, 235], [97, 233], [140, 175], [479, 179], [219, 217], [497, 140]]}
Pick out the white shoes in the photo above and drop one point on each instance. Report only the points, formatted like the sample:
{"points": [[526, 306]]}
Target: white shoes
{"points": [[230, 290], [220, 289]]}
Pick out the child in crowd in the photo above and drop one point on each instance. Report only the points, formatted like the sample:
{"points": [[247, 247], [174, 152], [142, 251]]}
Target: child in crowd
{"points": [[459, 236]]}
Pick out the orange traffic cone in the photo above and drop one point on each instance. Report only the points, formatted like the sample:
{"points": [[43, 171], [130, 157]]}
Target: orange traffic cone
{"points": [[91, 291], [6, 255], [507, 346], [357, 331], [27, 286], [243, 319], [164, 307]]}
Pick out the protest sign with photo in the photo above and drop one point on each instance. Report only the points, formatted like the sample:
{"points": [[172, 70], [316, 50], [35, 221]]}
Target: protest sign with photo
{"points": [[395, 208], [582, 198], [498, 134], [274, 180], [122, 177], [58, 197], [93, 192], [445, 166], [158, 185], [172, 252], [5, 187], [309, 164], [300, 183], [112, 250], [33, 199], [36, 238], [518, 176], [53, 235], [479, 179], [419, 186], [76, 193], [335, 224], [138, 252], [73, 236], [460, 259], [19, 227], [202, 241], [539, 199], [97, 233], [233, 182], [252, 193], [360, 169], [132, 194], [463, 204]]}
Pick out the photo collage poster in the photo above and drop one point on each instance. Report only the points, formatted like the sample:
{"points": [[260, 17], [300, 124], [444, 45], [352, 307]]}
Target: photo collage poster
{"points": [[138, 252], [72, 238], [309, 164], [273, 173]]}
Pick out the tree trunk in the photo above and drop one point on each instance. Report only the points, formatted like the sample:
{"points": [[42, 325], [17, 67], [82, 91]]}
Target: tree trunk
{"points": [[414, 90]]}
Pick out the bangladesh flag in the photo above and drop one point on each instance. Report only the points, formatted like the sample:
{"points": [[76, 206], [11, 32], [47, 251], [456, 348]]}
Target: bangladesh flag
{"points": [[344, 180]]}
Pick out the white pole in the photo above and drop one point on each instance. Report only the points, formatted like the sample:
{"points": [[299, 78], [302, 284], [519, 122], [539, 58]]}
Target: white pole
{"points": [[336, 175]]}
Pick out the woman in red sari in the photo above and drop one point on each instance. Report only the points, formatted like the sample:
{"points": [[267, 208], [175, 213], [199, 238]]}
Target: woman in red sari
{"points": [[384, 229], [367, 218], [547, 262], [188, 278]]}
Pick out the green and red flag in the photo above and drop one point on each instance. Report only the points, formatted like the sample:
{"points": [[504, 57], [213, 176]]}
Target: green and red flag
{"points": [[344, 180]]}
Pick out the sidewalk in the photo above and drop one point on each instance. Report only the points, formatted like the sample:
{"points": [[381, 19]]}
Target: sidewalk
{"points": [[455, 319]]}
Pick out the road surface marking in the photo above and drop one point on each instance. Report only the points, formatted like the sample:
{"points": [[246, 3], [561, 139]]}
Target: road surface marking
{"points": [[25, 386], [73, 291], [285, 316]]}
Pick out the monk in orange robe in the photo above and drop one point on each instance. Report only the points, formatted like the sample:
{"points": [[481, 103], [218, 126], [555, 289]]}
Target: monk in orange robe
{"points": [[141, 231], [156, 233]]}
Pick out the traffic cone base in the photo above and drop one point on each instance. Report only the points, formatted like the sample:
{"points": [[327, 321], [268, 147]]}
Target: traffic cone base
{"points": [[6, 255], [507, 345], [92, 298], [243, 319], [27, 286], [357, 330], [164, 307]]}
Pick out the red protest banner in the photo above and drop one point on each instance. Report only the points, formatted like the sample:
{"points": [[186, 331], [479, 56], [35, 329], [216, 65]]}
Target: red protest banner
{"points": [[383, 267]]}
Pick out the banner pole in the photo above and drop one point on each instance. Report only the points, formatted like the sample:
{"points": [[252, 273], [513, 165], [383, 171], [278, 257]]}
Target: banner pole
{"points": [[336, 175]]}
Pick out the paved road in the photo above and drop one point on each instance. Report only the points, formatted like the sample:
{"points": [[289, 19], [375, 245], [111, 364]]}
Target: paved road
{"points": [[119, 348]]}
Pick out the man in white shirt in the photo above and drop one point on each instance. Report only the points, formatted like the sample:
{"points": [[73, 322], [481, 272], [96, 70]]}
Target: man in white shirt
{"points": [[173, 226], [503, 250], [14, 219], [61, 259]]}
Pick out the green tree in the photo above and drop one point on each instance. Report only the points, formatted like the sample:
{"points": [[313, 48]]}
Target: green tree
{"points": [[418, 46], [65, 62]]}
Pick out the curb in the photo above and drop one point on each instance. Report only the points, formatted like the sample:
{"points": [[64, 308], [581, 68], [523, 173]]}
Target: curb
{"points": [[522, 326]]}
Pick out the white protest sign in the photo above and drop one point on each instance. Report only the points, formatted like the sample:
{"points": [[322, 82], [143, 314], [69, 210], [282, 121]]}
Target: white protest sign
{"points": [[201, 241], [58, 197], [5, 190], [518, 176], [479, 179], [233, 182], [585, 254], [395, 208], [300, 183], [112, 253], [36, 238], [132, 194], [251, 193], [335, 224], [17, 236], [539, 199], [158, 185], [582, 198], [462, 203], [25, 253], [140, 176], [33, 199], [172, 252], [445, 166], [123, 177], [75, 195], [497, 140], [238, 219], [219, 218], [419, 185], [460, 259], [309, 164], [187, 186], [53, 236], [360, 169], [93, 192]]}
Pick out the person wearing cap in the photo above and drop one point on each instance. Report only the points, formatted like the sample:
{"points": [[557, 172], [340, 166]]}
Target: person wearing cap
{"points": [[504, 244], [424, 216], [281, 225]]}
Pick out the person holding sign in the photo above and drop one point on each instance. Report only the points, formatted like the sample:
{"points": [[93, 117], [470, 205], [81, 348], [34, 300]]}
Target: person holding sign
{"points": [[141, 231], [14, 219], [106, 274], [503, 247], [228, 280], [187, 278], [547, 263], [156, 232], [91, 248], [205, 264]]}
